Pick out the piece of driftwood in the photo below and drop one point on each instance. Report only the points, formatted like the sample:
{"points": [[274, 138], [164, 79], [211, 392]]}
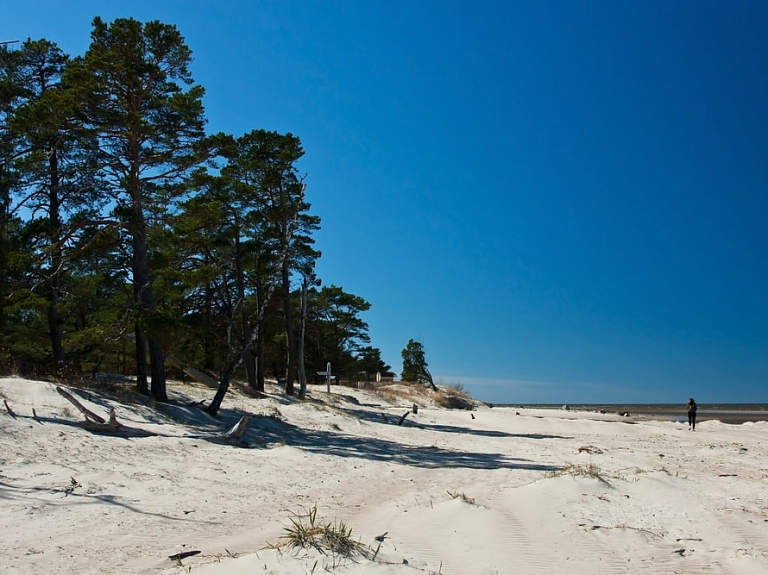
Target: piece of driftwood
{"points": [[233, 436], [94, 422], [402, 417], [89, 415], [590, 449], [237, 430], [36, 417], [111, 426], [8, 409], [195, 374], [182, 555]]}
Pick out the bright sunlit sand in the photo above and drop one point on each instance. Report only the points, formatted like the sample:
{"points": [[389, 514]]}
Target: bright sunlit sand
{"points": [[488, 491]]}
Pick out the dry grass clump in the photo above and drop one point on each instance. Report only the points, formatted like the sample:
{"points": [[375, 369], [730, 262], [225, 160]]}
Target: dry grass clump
{"points": [[452, 397], [454, 400], [577, 469], [305, 532], [401, 392], [462, 496]]}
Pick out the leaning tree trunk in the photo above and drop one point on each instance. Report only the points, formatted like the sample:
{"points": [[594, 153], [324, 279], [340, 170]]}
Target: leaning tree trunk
{"points": [[238, 357]]}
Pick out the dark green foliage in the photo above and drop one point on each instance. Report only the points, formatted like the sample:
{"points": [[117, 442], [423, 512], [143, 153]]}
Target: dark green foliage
{"points": [[150, 134], [127, 233], [415, 364], [335, 331], [369, 362]]}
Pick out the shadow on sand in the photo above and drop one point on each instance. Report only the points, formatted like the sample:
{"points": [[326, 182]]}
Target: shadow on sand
{"points": [[264, 431]]}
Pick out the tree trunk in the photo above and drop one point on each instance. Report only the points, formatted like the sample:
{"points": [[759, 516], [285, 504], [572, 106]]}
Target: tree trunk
{"points": [[56, 329], [290, 375], [248, 360], [55, 323], [143, 290], [250, 369], [302, 332], [142, 382], [260, 342], [157, 365], [260, 365], [209, 349], [226, 377]]}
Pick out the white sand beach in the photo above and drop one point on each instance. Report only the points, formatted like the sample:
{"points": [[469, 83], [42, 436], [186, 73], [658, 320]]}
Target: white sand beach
{"points": [[489, 491]]}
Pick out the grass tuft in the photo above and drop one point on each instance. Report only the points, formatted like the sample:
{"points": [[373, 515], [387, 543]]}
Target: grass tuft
{"points": [[576, 469], [306, 531], [462, 496]]}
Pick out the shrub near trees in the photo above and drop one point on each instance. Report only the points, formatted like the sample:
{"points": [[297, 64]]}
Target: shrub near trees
{"points": [[128, 234]]}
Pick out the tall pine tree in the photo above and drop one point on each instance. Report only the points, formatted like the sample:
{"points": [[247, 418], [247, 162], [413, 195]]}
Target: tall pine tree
{"points": [[151, 133]]}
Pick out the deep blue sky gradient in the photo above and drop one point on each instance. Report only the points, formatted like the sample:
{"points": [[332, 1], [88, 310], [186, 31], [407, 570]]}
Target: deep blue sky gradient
{"points": [[564, 201]]}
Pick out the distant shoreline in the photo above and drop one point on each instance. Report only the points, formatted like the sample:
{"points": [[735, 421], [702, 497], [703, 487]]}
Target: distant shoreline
{"points": [[725, 413]]}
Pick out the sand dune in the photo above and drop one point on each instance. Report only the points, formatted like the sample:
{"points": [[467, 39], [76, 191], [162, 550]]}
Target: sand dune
{"points": [[508, 491]]}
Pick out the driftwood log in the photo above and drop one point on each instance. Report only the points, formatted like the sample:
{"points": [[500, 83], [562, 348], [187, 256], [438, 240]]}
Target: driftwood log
{"points": [[89, 415], [93, 422], [233, 436], [195, 374], [8, 409], [96, 423], [183, 555], [111, 426]]}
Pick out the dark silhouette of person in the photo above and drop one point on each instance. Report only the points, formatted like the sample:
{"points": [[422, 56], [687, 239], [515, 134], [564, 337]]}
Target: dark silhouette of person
{"points": [[691, 408]]}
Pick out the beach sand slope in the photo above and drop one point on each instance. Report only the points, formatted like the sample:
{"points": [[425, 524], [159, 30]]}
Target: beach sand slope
{"points": [[492, 491]]}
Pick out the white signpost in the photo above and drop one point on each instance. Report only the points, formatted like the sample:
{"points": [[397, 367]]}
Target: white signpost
{"points": [[327, 374]]}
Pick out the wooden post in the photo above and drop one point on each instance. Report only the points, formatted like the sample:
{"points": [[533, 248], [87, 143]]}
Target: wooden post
{"points": [[328, 377]]}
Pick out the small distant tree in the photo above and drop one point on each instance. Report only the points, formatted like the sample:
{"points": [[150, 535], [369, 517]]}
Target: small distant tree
{"points": [[415, 364], [369, 361]]}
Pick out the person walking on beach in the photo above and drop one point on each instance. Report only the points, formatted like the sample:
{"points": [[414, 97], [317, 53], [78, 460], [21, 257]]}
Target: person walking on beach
{"points": [[691, 408]]}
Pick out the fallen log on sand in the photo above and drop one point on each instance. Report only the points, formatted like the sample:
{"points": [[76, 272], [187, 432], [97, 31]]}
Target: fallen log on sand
{"points": [[93, 422], [89, 415], [111, 426], [96, 423]]}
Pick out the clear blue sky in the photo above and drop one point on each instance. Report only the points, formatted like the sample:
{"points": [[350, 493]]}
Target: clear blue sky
{"points": [[563, 201]]}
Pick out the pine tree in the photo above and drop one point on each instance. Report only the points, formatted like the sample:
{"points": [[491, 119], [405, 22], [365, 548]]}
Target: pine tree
{"points": [[150, 134], [415, 364], [58, 186], [265, 163]]}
